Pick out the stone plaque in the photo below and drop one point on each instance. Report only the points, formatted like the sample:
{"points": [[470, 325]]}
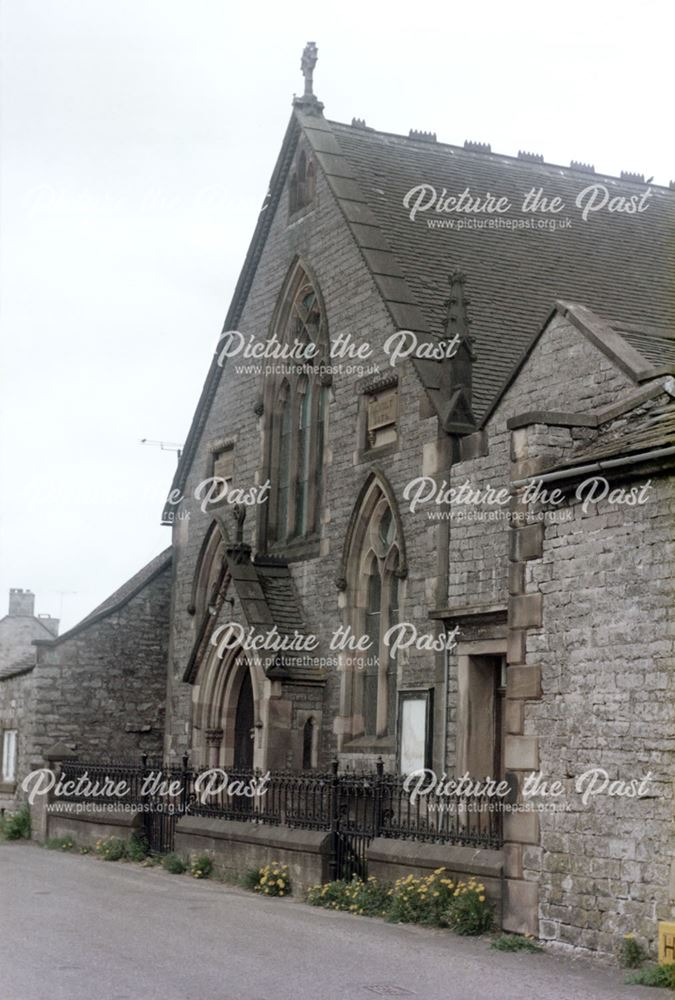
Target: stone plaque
{"points": [[382, 410]]}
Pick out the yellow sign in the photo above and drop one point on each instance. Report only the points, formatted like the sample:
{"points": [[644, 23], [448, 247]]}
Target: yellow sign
{"points": [[666, 943]]}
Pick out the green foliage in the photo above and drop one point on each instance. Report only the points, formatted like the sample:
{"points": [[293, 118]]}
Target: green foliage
{"points": [[422, 900], [111, 848], [202, 866], [60, 844], [469, 912], [250, 879], [433, 899], [16, 826], [632, 953], [174, 864], [274, 880], [137, 848], [370, 898], [514, 942], [655, 975]]}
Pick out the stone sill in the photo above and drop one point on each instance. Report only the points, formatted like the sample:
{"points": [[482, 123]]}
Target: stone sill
{"points": [[7, 787]]}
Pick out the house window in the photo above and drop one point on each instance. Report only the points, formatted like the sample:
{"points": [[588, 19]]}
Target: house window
{"points": [[382, 418], [296, 427], [9, 755]]}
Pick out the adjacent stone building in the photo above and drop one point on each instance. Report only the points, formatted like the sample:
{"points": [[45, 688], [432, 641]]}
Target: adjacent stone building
{"points": [[99, 689], [18, 629]]}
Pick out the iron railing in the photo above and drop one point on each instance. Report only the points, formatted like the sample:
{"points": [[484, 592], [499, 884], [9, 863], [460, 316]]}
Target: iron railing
{"points": [[354, 807]]}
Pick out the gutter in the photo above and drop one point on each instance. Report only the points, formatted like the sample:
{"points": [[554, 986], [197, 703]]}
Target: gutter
{"points": [[610, 463]]}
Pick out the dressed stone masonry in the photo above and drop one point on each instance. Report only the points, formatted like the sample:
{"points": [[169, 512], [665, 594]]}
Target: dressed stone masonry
{"points": [[543, 633]]}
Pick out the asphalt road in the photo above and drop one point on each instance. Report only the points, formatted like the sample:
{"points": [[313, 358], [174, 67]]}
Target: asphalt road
{"points": [[75, 928]]}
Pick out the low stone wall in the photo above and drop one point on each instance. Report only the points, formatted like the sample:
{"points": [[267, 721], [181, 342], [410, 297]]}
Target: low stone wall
{"points": [[88, 827], [237, 846], [389, 860]]}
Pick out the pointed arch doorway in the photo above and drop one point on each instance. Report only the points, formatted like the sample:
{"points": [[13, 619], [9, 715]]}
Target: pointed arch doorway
{"points": [[228, 713], [244, 723]]}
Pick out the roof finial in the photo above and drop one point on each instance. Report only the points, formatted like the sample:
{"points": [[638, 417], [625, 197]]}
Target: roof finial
{"points": [[308, 103], [457, 319], [309, 57], [456, 378]]}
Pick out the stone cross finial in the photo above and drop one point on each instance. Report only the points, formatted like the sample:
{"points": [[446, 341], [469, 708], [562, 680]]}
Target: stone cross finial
{"points": [[309, 57]]}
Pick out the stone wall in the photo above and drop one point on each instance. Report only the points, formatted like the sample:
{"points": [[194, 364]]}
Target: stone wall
{"points": [[389, 860], [237, 847], [16, 704], [354, 306], [564, 371], [605, 650], [87, 827], [100, 688]]}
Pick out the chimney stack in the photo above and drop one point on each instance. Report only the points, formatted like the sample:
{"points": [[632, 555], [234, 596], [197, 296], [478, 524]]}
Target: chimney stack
{"points": [[21, 603], [50, 623]]}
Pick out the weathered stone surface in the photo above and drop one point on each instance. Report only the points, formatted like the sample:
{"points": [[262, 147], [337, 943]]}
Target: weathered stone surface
{"points": [[520, 907], [237, 846], [522, 753], [86, 828], [523, 682], [525, 611]]}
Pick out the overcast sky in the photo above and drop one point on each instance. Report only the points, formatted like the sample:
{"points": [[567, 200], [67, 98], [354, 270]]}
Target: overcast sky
{"points": [[137, 142]]}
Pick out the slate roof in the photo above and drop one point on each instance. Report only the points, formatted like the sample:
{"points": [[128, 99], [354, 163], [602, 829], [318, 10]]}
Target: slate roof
{"points": [[654, 343], [619, 265], [15, 670], [120, 597], [25, 662], [268, 598], [653, 431]]}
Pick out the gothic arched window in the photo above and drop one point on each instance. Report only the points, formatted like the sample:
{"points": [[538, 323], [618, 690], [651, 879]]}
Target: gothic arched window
{"points": [[296, 427], [373, 600]]}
